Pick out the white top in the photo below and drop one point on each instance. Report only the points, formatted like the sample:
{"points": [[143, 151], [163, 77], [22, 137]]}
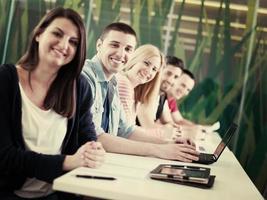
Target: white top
{"points": [[43, 132]]}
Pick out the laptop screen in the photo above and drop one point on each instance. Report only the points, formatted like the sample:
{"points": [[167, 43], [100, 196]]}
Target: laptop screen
{"points": [[225, 140]]}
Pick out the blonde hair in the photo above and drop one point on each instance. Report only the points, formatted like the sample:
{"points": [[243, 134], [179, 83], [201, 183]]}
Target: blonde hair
{"points": [[147, 92]]}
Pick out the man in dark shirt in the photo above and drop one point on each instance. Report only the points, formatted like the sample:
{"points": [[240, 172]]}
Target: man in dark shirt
{"points": [[173, 70]]}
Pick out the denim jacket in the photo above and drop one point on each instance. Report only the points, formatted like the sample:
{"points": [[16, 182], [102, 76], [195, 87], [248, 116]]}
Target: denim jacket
{"points": [[118, 125]]}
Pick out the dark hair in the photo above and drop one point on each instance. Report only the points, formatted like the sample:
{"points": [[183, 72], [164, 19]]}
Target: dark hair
{"points": [[61, 94], [118, 26], [177, 62], [189, 73]]}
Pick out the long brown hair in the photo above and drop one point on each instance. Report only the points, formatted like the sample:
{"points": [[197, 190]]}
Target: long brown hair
{"points": [[61, 94], [146, 92]]}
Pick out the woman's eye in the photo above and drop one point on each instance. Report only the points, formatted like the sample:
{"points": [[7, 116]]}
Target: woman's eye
{"points": [[129, 50], [57, 34], [155, 69], [74, 43], [146, 63]]}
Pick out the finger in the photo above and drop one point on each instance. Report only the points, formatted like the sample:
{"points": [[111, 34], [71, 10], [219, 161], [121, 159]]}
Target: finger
{"points": [[188, 156], [179, 140], [93, 145], [189, 149], [98, 160], [186, 146], [95, 157], [183, 159], [177, 126], [99, 145], [190, 142], [97, 152], [94, 164]]}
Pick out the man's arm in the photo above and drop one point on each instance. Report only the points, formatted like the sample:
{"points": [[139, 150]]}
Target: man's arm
{"points": [[181, 152], [176, 116], [143, 135], [179, 120]]}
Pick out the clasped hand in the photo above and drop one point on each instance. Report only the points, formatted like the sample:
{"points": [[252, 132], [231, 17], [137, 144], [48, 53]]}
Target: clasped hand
{"points": [[91, 154]]}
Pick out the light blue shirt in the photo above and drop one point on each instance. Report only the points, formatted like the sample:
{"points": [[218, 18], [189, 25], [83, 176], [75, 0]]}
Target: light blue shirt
{"points": [[118, 125]]}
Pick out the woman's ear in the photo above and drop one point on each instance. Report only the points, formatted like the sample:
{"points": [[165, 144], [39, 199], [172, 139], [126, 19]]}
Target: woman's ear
{"points": [[37, 38]]}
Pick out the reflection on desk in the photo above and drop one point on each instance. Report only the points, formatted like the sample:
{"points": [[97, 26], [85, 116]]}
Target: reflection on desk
{"points": [[132, 180]]}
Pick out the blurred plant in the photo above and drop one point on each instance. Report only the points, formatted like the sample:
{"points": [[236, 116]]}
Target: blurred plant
{"points": [[218, 96]]}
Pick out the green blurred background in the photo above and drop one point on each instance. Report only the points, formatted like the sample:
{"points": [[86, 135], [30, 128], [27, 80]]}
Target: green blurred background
{"points": [[222, 42]]}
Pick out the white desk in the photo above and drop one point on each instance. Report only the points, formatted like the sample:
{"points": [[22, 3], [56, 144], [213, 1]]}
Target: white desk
{"points": [[131, 172]]}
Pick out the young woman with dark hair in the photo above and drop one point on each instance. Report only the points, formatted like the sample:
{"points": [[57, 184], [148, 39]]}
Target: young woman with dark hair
{"points": [[45, 120]]}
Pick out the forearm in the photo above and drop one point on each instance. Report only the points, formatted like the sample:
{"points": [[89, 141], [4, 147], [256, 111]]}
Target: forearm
{"points": [[117, 144], [182, 152], [185, 122], [178, 119], [69, 163], [156, 136]]}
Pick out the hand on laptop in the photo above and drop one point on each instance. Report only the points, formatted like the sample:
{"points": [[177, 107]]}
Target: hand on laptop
{"points": [[182, 140], [178, 151]]}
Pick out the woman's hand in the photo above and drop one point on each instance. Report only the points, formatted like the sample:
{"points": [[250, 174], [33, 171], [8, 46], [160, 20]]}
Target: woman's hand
{"points": [[91, 154]]}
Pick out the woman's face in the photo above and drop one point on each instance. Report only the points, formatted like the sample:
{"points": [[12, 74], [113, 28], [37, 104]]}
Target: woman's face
{"points": [[58, 43], [145, 70]]}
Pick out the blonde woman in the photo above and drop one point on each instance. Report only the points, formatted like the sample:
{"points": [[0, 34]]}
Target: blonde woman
{"points": [[140, 80], [139, 86]]}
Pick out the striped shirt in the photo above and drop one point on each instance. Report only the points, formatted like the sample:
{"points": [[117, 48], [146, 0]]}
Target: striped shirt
{"points": [[126, 93]]}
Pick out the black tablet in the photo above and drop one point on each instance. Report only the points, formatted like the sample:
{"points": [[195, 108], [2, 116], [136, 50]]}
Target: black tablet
{"points": [[181, 173]]}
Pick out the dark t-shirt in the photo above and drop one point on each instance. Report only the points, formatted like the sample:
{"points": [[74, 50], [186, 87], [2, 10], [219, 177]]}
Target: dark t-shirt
{"points": [[162, 100]]}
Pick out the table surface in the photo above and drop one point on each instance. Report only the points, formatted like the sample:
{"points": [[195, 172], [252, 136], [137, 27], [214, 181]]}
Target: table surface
{"points": [[133, 182]]}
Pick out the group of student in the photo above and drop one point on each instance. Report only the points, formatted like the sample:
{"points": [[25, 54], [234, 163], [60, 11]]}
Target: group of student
{"points": [[60, 111]]}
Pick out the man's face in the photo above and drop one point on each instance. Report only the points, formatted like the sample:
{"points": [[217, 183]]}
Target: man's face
{"points": [[182, 87], [169, 77], [114, 51]]}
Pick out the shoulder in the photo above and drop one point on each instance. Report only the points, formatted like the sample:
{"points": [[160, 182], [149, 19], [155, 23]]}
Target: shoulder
{"points": [[9, 86], [84, 90], [171, 100], [82, 80], [82, 83], [89, 68], [8, 72], [89, 72]]}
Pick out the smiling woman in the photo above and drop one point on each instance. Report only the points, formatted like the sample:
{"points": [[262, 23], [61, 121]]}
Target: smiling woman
{"points": [[139, 83], [58, 43], [46, 121]]}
